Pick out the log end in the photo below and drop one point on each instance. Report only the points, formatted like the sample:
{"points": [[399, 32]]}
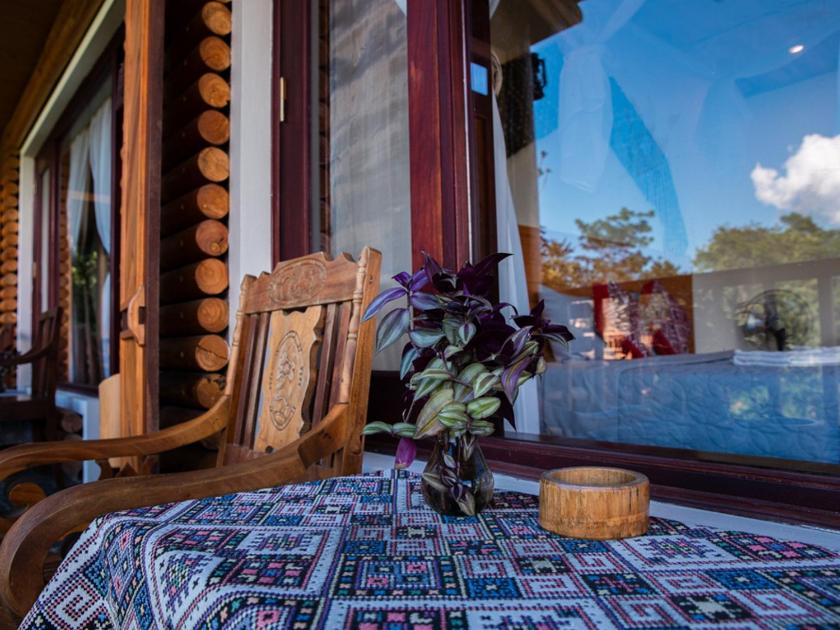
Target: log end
{"points": [[217, 18], [213, 201], [214, 90]]}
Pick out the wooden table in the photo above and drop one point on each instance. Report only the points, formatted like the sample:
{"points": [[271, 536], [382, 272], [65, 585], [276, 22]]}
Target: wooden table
{"points": [[365, 552]]}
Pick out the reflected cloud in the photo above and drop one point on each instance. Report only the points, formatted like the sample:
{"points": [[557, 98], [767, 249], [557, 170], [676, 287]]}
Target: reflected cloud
{"points": [[810, 183]]}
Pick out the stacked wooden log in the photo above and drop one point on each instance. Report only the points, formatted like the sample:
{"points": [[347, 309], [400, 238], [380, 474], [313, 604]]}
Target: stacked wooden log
{"points": [[195, 202], [65, 270], [9, 224]]}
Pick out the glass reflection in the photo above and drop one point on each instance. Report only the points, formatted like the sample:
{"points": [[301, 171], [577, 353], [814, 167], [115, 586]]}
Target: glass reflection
{"points": [[674, 176]]}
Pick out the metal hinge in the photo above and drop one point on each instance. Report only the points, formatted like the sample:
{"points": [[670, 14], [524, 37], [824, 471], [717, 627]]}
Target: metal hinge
{"points": [[282, 95]]}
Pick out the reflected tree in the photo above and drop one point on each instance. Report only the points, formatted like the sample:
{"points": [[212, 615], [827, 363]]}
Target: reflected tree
{"points": [[796, 238], [611, 249]]}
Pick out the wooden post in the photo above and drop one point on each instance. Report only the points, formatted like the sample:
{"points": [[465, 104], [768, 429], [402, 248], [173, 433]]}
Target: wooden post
{"points": [[191, 389], [210, 201], [210, 90], [212, 54], [208, 238], [208, 164], [140, 208], [208, 277], [205, 352], [209, 315], [209, 127]]}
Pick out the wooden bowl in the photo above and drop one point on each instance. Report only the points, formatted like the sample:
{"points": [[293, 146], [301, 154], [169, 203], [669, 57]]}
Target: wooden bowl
{"points": [[594, 503]]}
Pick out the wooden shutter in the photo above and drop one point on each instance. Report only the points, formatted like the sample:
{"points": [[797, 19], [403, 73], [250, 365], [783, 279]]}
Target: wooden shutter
{"points": [[140, 209]]}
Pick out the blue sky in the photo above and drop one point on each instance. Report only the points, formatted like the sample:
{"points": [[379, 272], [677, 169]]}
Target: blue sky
{"points": [[716, 87]]}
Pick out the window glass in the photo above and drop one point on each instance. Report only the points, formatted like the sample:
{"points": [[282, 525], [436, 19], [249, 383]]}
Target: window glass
{"points": [[44, 263], [87, 206], [362, 183], [672, 172]]}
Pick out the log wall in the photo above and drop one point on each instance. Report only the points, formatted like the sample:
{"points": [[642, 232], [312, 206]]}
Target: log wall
{"points": [[195, 200], [9, 225], [65, 272]]}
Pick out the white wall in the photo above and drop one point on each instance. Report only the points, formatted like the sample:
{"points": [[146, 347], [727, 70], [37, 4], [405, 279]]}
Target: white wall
{"points": [[250, 146]]}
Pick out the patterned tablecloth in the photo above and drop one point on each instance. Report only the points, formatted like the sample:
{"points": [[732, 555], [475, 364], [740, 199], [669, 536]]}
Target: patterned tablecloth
{"points": [[365, 552]]}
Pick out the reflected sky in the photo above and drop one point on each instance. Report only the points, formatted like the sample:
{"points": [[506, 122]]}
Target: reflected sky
{"points": [[712, 112]]}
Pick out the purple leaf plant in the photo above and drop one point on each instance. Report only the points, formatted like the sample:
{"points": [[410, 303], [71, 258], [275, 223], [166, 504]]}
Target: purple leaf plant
{"points": [[465, 359]]}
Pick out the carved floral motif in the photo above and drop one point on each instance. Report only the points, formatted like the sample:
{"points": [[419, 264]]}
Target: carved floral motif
{"points": [[288, 381], [299, 281]]}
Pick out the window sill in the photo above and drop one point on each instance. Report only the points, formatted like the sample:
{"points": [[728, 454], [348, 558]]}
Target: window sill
{"points": [[769, 494], [660, 508]]}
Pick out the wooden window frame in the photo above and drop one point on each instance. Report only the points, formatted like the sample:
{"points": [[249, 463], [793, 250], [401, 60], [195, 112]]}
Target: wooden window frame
{"points": [[441, 128], [106, 68]]}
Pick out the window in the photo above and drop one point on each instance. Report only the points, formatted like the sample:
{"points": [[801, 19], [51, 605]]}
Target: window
{"points": [[76, 246], [669, 170]]}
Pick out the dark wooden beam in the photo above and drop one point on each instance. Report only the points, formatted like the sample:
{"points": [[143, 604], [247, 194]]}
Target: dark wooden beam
{"points": [[70, 25]]}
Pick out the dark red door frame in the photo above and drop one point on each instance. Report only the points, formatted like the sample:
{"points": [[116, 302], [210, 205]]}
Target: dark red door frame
{"points": [[291, 145], [438, 86]]}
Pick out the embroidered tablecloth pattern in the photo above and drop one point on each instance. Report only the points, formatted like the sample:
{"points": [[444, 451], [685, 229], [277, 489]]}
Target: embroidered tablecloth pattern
{"points": [[365, 552]]}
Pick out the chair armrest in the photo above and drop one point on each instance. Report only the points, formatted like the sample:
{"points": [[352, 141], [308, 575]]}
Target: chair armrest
{"points": [[24, 548], [25, 456], [26, 357]]}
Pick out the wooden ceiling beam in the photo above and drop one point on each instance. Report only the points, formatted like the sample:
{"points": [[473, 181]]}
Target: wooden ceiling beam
{"points": [[70, 25]]}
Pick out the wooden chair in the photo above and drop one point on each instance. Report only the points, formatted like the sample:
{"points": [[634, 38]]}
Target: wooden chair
{"points": [[39, 407], [7, 337], [7, 352], [293, 409]]}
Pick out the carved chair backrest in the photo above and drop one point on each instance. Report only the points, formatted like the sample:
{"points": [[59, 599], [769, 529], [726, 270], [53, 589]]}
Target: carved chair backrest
{"points": [[45, 368], [297, 351]]}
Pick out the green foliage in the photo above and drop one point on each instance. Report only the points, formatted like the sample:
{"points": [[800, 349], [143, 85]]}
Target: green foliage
{"points": [[610, 249], [797, 238]]}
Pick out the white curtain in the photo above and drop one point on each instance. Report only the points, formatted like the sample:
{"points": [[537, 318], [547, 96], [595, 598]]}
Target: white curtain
{"points": [[513, 287], [101, 168], [77, 187]]}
